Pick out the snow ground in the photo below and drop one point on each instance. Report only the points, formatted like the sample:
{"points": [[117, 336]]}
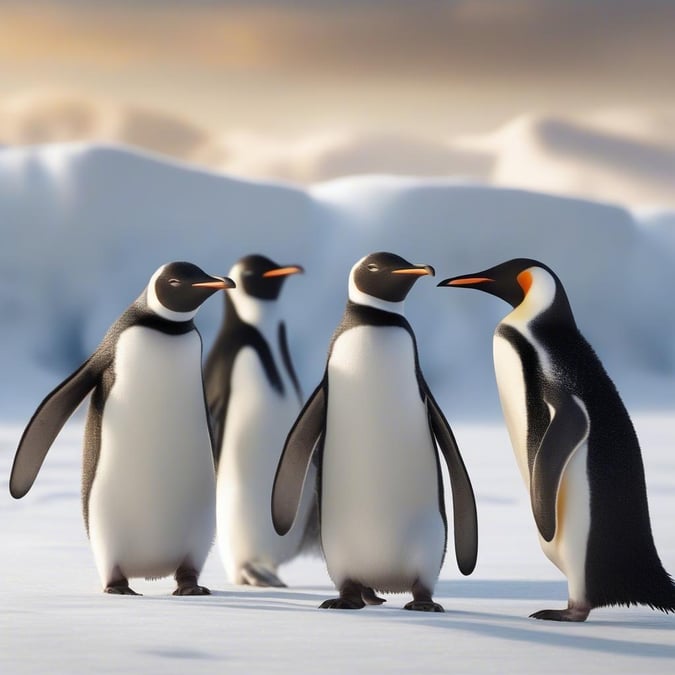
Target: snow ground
{"points": [[54, 617]]}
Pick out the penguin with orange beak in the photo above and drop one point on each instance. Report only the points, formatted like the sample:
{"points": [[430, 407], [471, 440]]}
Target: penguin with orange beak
{"points": [[373, 425], [254, 396], [148, 480], [575, 446]]}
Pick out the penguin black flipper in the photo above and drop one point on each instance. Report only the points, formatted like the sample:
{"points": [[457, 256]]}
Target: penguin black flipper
{"points": [[463, 499], [48, 421], [296, 457], [566, 432]]}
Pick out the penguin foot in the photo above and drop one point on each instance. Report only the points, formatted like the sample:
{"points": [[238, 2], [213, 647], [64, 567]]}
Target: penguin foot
{"points": [[186, 582], [257, 575], [342, 603], [422, 601], [120, 588], [572, 613], [424, 606], [192, 590], [351, 597], [368, 596]]}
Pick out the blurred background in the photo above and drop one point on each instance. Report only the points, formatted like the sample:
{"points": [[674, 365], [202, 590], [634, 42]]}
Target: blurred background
{"points": [[565, 96], [140, 131]]}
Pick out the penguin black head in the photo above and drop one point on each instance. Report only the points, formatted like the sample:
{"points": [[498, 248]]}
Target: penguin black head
{"points": [[517, 279], [177, 289], [260, 277], [384, 276]]}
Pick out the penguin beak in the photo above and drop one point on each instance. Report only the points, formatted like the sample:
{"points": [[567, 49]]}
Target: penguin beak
{"points": [[218, 283], [416, 270], [465, 281], [283, 271]]}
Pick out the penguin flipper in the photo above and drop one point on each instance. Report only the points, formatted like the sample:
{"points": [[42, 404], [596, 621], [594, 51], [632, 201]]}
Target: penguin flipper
{"points": [[45, 425], [295, 460], [463, 499], [566, 432]]}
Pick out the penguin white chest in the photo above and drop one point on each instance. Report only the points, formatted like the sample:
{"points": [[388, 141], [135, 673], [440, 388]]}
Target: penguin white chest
{"points": [[513, 398], [152, 501], [257, 423], [381, 522], [567, 550]]}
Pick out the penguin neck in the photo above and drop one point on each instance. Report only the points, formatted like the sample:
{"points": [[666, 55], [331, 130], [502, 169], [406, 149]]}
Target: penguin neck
{"points": [[263, 314], [151, 301], [544, 304], [358, 297]]}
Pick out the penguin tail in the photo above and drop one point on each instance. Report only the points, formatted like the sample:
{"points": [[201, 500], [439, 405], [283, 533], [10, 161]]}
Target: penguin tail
{"points": [[666, 600], [662, 595], [657, 593]]}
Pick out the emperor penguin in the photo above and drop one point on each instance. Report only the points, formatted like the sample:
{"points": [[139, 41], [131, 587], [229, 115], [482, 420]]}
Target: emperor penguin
{"points": [[148, 486], [254, 397], [575, 446], [374, 425]]}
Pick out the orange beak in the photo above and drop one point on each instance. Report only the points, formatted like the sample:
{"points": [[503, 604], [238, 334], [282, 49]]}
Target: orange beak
{"points": [[218, 283], [467, 281], [419, 271], [283, 271]]}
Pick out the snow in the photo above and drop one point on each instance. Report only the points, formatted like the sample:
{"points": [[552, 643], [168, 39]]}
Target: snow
{"points": [[88, 224], [55, 618], [83, 227]]}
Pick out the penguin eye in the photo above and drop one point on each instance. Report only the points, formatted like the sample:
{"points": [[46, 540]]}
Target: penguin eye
{"points": [[373, 267], [174, 282]]}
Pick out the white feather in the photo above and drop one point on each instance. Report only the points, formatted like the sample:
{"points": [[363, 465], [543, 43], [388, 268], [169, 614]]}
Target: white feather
{"points": [[380, 517], [258, 421], [152, 502]]}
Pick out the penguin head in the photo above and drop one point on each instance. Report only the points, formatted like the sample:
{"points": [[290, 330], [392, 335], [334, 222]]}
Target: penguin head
{"points": [[384, 279], [177, 289], [260, 277], [259, 281], [522, 282]]}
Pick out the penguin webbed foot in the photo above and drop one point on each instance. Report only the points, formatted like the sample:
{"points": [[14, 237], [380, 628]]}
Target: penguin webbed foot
{"points": [[195, 589], [258, 575], [351, 597], [424, 606], [422, 601], [120, 587], [342, 603], [186, 582], [368, 596], [576, 613]]}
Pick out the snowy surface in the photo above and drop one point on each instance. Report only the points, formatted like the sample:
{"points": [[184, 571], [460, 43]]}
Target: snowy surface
{"points": [[54, 617]]}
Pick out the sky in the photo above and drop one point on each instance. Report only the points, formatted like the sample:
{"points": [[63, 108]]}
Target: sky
{"points": [[291, 67]]}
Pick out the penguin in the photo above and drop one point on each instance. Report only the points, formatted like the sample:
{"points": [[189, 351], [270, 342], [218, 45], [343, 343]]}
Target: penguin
{"points": [[374, 425], [254, 397], [148, 485], [575, 446]]}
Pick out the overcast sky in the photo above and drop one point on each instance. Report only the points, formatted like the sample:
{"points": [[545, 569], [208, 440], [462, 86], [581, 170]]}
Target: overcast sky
{"points": [[293, 65]]}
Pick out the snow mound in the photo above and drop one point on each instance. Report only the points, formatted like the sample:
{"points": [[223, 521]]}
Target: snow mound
{"points": [[628, 161], [86, 225]]}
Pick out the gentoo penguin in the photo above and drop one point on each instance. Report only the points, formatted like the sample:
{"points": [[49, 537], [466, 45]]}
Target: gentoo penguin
{"points": [[575, 446], [373, 422], [148, 488], [254, 397]]}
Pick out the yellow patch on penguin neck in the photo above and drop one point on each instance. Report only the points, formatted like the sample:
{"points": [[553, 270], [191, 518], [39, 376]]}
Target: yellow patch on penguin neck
{"points": [[538, 294], [525, 280]]}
